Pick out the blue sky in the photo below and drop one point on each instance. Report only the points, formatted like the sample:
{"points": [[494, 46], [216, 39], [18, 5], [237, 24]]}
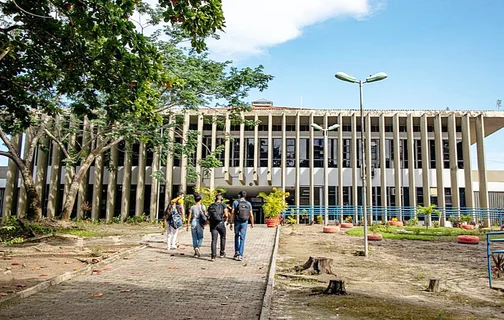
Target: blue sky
{"points": [[438, 54]]}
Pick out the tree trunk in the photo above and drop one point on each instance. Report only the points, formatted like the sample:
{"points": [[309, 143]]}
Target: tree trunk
{"points": [[74, 188], [433, 285], [34, 203], [316, 265], [336, 287]]}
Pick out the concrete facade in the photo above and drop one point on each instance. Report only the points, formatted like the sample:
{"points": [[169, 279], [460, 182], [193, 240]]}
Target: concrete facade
{"points": [[413, 158]]}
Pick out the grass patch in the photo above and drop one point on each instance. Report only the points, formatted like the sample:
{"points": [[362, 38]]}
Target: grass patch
{"points": [[80, 232], [415, 233]]}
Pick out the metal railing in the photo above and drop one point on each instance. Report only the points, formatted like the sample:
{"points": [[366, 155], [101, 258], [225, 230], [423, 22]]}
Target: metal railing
{"points": [[384, 214]]}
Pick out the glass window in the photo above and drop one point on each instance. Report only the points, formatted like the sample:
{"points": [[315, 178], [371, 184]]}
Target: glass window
{"points": [[277, 152], [304, 154], [318, 153], [291, 152], [250, 152], [263, 152]]}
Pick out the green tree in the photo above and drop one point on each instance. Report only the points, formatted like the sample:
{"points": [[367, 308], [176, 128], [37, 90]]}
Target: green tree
{"points": [[428, 212], [86, 57]]}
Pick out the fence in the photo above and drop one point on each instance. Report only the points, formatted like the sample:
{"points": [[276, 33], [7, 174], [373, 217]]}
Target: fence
{"points": [[384, 214]]}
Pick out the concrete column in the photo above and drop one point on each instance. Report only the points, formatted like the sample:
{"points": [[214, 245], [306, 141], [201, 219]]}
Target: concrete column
{"points": [[425, 147], [154, 196], [22, 203], [438, 132], [466, 154], [126, 183], [169, 162], [11, 183], [270, 149], [312, 164], [284, 151], [326, 165], [241, 170], [97, 187], [227, 150], [353, 160], [369, 169], [212, 148], [183, 166], [483, 180], [257, 147], [340, 164], [53, 201], [397, 165], [383, 168], [140, 188], [41, 173], [411, 162], [112, 184], [83, 185], [298, 168], [452, 144], [199, 152]]}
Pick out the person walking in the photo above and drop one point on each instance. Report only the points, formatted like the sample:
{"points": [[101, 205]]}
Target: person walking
{"points": [[217, 215], [173, 220], [241, 214], [197, 218]]}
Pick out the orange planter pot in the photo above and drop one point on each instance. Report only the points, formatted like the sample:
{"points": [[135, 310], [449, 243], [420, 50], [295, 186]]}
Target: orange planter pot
{"points": [[347, 225], [374, 237], [468, 239], [331, 229], [467, 226], [272, 222], [395, 223]]}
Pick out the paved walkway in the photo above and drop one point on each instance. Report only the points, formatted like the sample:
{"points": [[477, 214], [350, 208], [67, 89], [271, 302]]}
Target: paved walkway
{"points": [[157, 284]]}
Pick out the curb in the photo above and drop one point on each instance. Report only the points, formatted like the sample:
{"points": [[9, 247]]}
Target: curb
{"points": [[66, 276], [270, 283]]}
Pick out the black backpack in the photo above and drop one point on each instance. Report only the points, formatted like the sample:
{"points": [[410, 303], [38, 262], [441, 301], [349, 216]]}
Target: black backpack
{"points": [[216, 213], [243, 210]]}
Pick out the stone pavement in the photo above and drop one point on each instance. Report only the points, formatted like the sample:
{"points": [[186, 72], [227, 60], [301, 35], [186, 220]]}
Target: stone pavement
{"points": [[158, 284]]}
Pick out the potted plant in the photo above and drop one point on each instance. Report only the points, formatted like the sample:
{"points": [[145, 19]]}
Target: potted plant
{"points": [[274, 204], [466, 222], [348, 222], [395, 222]]}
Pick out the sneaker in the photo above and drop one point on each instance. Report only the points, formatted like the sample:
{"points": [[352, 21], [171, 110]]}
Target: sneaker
{"points": [[212, 259], [197, 252], [222, 255], [237, 258], [236, 255], [240, 258]]}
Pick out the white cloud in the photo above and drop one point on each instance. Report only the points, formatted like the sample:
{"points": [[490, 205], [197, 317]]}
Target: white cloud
{"points": [[253, 26]]}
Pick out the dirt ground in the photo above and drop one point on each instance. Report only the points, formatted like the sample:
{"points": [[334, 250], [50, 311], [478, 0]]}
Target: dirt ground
{"points": [[389, 284], [27, 264]]}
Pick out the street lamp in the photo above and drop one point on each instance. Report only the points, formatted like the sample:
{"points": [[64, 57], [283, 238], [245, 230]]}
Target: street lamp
{"points": [[326, 167], [373, 78]]}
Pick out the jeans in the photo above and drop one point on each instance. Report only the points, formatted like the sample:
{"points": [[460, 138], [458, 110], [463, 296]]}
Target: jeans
{"points": [[216, 230], [197, 233], [240, 233]]}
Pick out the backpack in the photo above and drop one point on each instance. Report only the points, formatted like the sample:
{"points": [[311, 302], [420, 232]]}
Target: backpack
{"points": [[216, 213], [243, 210], [176, 219]]}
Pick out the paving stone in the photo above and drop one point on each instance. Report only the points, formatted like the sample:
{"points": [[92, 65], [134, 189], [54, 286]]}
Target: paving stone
{"points": [[158, 284]]}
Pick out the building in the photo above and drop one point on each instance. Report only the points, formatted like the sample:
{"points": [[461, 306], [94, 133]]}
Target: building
{"points": [[413, 158]]}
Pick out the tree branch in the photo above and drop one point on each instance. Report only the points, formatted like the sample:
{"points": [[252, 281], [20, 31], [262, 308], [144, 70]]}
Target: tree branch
{"points": [[33, 145], [7, 154], [13, 152], [58, 142]]}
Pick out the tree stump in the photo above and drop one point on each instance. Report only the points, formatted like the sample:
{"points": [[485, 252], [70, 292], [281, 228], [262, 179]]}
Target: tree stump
{"points": [[433, 285], [336, 287], [316, 265]]}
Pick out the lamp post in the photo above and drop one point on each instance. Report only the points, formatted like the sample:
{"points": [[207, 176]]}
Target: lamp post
{"points": [[373, 78], [326, 167]]}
